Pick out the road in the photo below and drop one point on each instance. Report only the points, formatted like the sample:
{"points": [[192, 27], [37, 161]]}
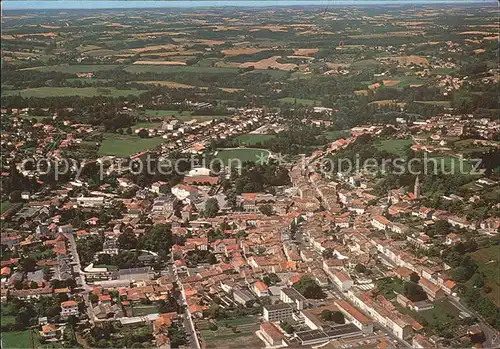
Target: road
{"points": [[188, 320]]}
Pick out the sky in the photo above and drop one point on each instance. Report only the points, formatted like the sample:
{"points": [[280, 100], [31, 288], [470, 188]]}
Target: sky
{"points": [[95, 4]]}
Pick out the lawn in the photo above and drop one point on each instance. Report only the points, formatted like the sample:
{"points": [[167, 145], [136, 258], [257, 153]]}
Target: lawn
{"points": [[125, 145], [8, 319], [4, 206], [488, 261], [253, 139], [300, 101], [224, 337], [388, 286], [16, 339], [154, 125], [234, 157], [84, 68], [394, 146], [43, 92]]}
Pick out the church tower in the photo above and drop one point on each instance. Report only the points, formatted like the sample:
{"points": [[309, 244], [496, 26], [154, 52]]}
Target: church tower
{"points": [[416, 189]]}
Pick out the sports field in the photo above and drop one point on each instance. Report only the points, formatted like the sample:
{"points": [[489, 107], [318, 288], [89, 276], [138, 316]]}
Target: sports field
{"points": [[125, 145], [234, 157]]}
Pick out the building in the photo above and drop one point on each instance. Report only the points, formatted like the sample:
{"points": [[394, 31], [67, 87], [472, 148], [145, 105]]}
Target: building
{"points": [[380, 223], [417, 189], [69, 308], [271, 334], [290, 295], [355, 316], [244, 297], [277, 312], [90, 201], [261, 289], [342, 280], [433, 291]]}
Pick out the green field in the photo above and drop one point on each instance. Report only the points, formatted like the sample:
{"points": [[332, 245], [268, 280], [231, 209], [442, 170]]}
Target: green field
{"points": [[156, 125], [225, 338], [388, 286], [4, 206], [300, 101], [394, 146], [230, 157], [334, 135], [43, 92], [84, 68], [125, 145], [253, 139], [16, 339], [488, 261]]}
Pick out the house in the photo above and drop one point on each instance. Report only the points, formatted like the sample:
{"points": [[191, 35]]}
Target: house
{"points": [[277, 312], [49, 331], [433, 291], [291, 296], [342, 280], [159, 187], [260, 289], [69, 308], [271, 334], [355, 316], [186, 193], [380, 222], [90, 201], [452, 239]]}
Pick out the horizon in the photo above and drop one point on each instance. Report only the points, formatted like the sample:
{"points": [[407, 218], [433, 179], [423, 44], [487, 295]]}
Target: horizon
{"points": [[14, 5]]}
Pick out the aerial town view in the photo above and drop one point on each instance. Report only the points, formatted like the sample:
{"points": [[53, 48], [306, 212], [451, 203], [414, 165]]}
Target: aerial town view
{"points": [[250, 174]]}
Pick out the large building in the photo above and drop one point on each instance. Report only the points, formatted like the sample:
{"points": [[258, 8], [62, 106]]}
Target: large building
{"points": [[271, 334], [277, 312], [355, 316], [291, 295]]}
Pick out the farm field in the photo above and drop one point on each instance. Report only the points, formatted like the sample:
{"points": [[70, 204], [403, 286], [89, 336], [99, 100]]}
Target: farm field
{"points": [[125, 145], [65, 68], [154, 125], [42, 92], [232, 157], [253, 139], [139, 68]]}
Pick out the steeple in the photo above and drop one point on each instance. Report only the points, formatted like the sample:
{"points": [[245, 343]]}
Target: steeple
{"points": [[416, 189]]}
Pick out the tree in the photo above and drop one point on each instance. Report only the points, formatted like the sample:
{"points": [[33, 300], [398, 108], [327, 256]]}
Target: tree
{"points": [[213, 327], [309, 288], [335, 316], [266, 209], [143, 133], [28, 264], [129, 131], [327, 253], [127, 240], [15, 196], [287, 327], [211, 208], [414, 292], [414, 277], [360, 268]]}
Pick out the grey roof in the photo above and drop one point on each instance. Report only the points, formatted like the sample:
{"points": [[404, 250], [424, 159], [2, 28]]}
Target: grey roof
{"points": [[293, 294]]}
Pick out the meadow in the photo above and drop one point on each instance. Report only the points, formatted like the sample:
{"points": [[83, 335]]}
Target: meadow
{"points": [[253, 139], [300, 101], [225, 337]]}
